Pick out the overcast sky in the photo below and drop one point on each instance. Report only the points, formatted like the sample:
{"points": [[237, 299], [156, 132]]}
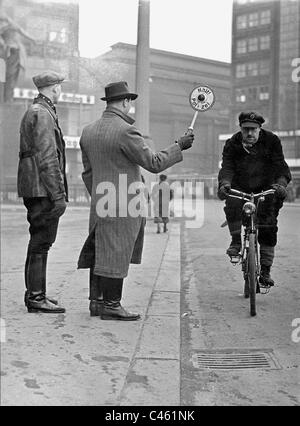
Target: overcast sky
{"points": [[192, 27]]}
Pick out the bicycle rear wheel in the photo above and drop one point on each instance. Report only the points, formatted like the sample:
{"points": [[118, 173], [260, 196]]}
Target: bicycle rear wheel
{"points": [[251, 272]]}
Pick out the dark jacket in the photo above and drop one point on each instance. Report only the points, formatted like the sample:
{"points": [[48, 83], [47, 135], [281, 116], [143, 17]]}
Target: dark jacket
{"points": [[257, 170], [42, 162]]}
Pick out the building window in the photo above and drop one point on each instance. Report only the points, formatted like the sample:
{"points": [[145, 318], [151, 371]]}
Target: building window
{"points": [[265, 42], [252, 69], [241, 22], [240, 95], [265, 17], [253, 44], [241, 47], [252, 91], [264, 93], [240, 71], [58, 36], [264, 67], [38, 27], [36, 49], [253, 20]]}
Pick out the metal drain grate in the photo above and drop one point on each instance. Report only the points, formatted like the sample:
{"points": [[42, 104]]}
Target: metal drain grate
{"points": [[235, 359]]}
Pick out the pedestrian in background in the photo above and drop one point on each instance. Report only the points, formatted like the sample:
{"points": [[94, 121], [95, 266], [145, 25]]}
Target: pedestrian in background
{"points": [[112, 147], [161, 196], [42, 184]]}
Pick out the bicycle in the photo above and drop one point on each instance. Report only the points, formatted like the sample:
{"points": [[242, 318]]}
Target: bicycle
{"points": [[249, 254]]}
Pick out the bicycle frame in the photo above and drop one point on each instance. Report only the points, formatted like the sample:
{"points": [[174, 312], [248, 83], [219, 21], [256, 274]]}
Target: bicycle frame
{"points": [[249, 256]]}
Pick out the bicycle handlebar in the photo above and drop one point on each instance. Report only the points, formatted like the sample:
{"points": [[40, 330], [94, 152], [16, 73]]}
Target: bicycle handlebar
{"points": [[244, 196]]}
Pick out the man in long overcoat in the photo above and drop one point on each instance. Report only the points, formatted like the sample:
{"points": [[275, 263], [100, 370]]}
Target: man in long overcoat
{"points": [[43, 185], [112, 152], [253, 161]]}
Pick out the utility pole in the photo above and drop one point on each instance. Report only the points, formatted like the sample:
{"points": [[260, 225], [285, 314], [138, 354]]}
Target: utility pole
{"points": [[142, 107], [142, 74]]}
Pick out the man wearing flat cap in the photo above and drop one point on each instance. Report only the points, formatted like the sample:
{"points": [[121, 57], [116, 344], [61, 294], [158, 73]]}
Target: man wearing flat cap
{"points": [[113, 148], [253, 161], [42, 184]]}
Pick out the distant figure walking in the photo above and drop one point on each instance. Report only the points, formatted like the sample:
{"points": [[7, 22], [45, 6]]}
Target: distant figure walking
{"points": [[162, 195]]}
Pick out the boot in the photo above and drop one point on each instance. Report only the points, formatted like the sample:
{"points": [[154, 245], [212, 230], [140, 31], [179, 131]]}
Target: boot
{"points": [[165, 227], [112, 308], [96, 295], [236, 244], [265, 279], [266, 262], [36, 286], [44, 282]]}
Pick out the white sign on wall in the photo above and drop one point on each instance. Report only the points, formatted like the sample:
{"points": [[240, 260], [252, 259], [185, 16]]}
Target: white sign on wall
{"points": [[2, 70], [74, 98], [72, 142]]}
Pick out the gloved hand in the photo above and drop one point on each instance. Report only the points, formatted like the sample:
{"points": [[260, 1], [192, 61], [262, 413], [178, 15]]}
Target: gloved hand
{"points": [[281, 191], [59, 207], [223, 191], [186, 141]]}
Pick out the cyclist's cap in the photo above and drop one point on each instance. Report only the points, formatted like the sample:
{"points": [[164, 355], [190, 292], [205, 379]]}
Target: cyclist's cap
{"points": [[250, 119]]}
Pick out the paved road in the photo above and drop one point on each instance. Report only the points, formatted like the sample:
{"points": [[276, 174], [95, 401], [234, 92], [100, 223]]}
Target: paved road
{"points": [[190, 299], [216, 319]]}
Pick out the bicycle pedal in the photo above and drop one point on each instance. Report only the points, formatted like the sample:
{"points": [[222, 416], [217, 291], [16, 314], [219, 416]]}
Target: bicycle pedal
{"points": [[235, 259], [265, 289]]}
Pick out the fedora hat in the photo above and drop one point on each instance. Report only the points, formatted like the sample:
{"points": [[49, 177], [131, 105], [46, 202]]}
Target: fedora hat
{"points": [[118, 90]]}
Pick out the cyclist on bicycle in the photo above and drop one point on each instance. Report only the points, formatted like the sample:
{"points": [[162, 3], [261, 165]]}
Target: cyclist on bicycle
{"points": [[253, 161]]}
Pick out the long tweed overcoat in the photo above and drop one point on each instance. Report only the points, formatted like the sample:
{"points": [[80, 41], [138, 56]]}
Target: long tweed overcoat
{"points": [[113, 150]]}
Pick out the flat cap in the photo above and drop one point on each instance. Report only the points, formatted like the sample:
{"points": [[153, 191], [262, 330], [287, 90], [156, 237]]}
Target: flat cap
{"points": [[47, 78], [251, 118]]}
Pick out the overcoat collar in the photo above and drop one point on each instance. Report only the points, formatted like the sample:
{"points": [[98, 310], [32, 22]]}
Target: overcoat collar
{"points": [[46, 102], [118, 112]]}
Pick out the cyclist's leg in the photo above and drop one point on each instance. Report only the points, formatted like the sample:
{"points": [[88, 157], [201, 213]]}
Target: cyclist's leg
{"points": [[267, 236], [233, 211]]}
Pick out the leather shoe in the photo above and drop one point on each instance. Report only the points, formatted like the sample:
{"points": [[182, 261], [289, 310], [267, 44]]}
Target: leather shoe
{"points": [[233, 250], [265, 279], [115, 311], [44, 306], [26, 295], [96, 308]]}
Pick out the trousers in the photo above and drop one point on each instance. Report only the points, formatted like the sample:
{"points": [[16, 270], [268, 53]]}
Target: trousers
{"points": [[267, 214], [42, 224]]}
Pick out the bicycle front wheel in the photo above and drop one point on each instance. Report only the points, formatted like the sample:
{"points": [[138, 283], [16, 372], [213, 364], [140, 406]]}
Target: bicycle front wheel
{"points": [[252, 274]]}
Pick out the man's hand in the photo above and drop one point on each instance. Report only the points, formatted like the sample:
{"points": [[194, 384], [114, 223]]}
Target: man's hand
{"points": [[280, 190], [223, 191], [186, 141], [59, 207]]}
